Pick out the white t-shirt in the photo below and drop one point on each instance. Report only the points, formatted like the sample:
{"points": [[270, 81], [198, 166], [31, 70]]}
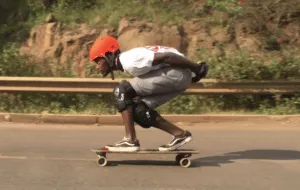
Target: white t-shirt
{"points": [[138, 61]]}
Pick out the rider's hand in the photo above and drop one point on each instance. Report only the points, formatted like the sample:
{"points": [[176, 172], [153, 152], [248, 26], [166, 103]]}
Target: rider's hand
{"points": [[200, 72]]}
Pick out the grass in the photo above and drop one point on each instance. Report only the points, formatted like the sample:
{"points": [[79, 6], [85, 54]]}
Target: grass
{"points": [[110, 12], [183, 104]]}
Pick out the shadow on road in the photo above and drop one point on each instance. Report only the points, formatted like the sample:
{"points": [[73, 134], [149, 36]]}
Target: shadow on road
{"points": [[248, 154]]}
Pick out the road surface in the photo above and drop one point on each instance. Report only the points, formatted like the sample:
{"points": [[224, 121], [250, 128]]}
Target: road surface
{"points": [[233, 156]]}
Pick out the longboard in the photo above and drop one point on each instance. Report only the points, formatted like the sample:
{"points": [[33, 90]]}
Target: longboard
{"points": [[182, 157]]}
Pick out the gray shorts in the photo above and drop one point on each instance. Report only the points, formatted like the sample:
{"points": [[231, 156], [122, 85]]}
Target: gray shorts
{"points": [[159, 86]]}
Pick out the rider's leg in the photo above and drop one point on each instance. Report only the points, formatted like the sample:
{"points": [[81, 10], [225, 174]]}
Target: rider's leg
{"points": [[124, 93], [158, 87], [146, 118]]}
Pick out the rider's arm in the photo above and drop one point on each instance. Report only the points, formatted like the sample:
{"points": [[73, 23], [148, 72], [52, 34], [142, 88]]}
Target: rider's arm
{"points": [[174, 59]]}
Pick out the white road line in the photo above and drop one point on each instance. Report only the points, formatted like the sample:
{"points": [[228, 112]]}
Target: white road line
{"points": [[62, 159], [13, 157], [44, 158]]}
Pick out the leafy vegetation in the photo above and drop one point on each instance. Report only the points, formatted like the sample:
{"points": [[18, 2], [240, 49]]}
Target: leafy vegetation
{"points": [[240, 65], [12, 64]]}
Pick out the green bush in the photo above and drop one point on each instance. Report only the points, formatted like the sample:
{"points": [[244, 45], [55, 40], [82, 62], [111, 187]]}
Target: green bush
{"points": [[240, 65], [259, 104], [110, 12], [232, 7], [56, 103], [12, 64], [283, 106]]}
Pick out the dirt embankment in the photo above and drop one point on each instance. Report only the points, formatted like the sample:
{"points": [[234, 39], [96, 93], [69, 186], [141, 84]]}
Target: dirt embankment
{"points": [[249, 32]]}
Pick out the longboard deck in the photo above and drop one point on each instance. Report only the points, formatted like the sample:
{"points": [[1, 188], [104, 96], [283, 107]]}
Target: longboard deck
{"points": [[182, 157], [149, 151]]}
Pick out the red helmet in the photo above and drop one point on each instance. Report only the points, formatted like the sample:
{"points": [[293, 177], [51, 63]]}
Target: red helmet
{"points": [[102, 46]]}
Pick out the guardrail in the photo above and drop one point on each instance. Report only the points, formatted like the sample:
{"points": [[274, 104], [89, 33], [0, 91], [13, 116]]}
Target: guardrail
{"points": [[92, 85]]}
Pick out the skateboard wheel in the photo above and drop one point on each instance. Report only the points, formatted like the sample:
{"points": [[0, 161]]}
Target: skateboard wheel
{"points": [[102, 161], [185, 162]]}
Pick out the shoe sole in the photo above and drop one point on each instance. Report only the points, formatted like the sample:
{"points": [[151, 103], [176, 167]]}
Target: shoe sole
{"points": [[176, 146], [123, 149]]}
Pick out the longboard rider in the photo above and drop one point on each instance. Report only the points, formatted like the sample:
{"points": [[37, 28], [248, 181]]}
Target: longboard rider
{"points": [[160, 74]]}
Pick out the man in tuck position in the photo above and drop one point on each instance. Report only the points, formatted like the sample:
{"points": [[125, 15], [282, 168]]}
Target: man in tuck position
{"points": [[160, 74]]}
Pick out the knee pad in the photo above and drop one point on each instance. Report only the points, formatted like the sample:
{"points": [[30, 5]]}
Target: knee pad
{"points": [[124, 93], [144, 116]]}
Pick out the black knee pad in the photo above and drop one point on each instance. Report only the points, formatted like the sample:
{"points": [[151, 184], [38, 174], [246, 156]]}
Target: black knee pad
{"points": [[124, 93], [143, 115]]}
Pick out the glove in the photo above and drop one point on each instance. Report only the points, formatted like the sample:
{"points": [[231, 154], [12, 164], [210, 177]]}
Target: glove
{"points": [[200, 72]]}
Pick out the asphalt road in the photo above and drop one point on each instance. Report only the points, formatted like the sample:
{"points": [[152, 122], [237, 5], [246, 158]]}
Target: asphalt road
{"points": [[233, 156]]}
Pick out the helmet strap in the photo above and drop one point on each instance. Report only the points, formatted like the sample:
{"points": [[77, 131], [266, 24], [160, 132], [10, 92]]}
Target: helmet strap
{"points": [[111, 65], [112, 74]]}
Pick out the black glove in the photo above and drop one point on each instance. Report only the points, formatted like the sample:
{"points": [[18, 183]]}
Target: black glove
{"points": [[200, 72]]}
